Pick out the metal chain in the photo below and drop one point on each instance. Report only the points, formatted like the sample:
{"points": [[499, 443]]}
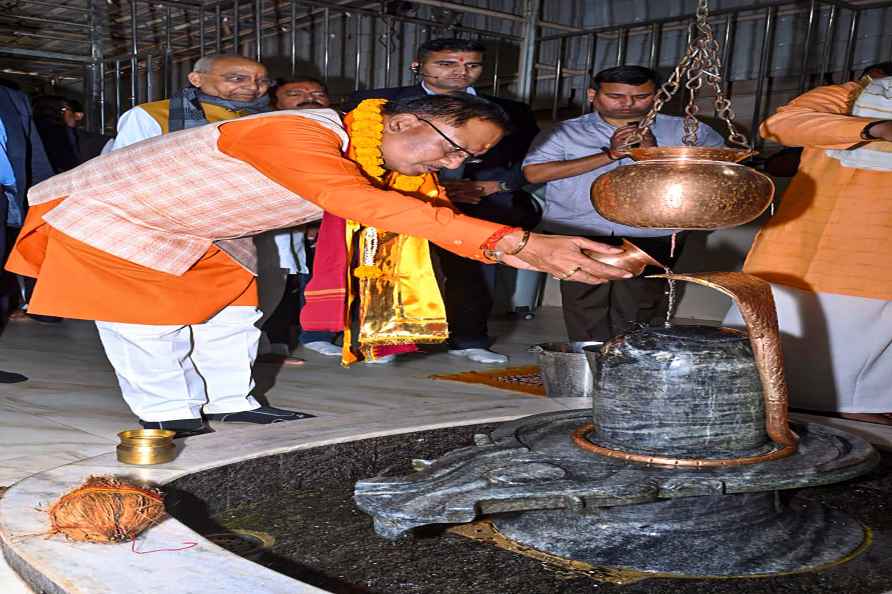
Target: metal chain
{"points": [[694, 82], [700, 64]]}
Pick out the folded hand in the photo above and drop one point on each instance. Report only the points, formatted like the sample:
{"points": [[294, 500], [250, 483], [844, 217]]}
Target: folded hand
{"points": [[469, 191]]}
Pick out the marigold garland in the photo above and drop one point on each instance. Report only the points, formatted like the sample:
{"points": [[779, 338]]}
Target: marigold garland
{"points": [[403, 306], [365, 125]]}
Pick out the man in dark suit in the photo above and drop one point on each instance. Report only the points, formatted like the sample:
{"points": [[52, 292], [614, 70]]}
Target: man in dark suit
{"points": [[67, 144], [29, 162], [24, 163], [490, 189], [24, 148]]}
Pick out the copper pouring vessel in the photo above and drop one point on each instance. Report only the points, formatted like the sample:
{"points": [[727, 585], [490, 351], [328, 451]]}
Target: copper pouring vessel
{"points": [[683, 187], [633, 258]]}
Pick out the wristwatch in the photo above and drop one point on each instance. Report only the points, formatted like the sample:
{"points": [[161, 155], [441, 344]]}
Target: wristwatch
{"points": [[865, 132]]}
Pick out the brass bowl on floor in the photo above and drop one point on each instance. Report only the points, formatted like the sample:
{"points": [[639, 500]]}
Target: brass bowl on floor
{"points": [[146, 446]]}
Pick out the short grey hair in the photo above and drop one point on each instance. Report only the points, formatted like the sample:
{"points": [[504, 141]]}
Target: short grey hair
{"points": [[206, 64]]}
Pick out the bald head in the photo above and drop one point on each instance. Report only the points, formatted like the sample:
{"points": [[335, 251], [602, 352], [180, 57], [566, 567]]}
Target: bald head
{"points": [[234, 78]]}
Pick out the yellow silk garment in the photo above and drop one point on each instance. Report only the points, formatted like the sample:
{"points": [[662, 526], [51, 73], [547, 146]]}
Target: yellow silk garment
{"points": [[402, 303]]}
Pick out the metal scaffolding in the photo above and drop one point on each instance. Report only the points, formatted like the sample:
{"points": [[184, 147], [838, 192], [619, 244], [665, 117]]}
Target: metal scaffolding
{"points": [[817, 61], [119, 53]]}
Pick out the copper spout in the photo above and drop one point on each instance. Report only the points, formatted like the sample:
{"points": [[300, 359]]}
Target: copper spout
{"points": [[633, 258], [756, 304]]}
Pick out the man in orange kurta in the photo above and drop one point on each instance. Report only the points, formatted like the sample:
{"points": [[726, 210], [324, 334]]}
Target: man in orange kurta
{"points": [[221, 87], [826, 251], [144, 246]]}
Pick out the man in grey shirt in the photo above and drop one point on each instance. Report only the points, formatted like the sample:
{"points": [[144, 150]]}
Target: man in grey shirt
{"points": [[568, 159]]}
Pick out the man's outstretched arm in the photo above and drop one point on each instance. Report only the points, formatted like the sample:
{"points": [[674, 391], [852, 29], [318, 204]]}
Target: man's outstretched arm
{"points": [[305, 157]]}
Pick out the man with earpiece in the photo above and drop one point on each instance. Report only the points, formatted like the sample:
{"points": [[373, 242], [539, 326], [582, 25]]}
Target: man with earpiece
{"points": [[489, 188]]}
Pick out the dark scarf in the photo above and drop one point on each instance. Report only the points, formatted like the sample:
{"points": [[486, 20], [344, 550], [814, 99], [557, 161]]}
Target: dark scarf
{"points": [[186, 112]]}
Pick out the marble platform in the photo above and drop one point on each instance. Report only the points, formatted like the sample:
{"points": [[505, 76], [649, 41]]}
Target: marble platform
{"points": [[61, 426]]}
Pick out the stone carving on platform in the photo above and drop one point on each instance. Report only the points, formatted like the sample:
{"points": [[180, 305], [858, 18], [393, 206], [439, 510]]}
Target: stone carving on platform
{"points": [[687, 448]]}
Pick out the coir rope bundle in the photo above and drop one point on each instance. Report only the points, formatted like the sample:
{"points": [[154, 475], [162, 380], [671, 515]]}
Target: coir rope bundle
{"points": [[106, 509]]}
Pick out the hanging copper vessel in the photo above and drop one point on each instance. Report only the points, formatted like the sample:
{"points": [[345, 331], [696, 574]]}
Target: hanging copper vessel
{"points": [[686, 187], [682, 192], [691, 153]]}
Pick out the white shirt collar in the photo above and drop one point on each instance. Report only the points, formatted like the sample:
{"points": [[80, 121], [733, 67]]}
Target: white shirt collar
{"points": [[468, 90]]}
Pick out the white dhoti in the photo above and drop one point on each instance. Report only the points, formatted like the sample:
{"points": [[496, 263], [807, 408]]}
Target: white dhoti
{"points": [[837, 350], [176, 372]]}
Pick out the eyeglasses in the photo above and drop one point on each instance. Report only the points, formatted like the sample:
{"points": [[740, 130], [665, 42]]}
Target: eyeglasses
{"points": [[243, 78], [313, 94], [471, 158]]}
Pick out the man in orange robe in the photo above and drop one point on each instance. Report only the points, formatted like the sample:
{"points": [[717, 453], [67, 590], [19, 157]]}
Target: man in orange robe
{"points": [[154, 234], [826, 251]]}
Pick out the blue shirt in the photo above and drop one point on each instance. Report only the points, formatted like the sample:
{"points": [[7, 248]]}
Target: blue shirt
{"points": [[7, 175], [568, 206]]}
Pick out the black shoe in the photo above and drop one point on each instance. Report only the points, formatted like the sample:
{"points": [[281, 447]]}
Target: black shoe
{"points": [[8, 377], [260, 416], [182, 427], [44, 319]]}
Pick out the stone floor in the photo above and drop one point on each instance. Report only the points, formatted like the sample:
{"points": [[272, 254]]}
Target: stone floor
{"points": [[70, 408]]}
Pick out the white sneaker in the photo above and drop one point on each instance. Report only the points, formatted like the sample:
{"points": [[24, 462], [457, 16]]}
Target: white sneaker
{"points": [[324, 348], [479, 355], [385, 360]]}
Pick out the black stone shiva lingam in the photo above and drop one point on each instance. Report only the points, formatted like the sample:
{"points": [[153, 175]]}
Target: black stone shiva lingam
{"points": [[678, 470]]}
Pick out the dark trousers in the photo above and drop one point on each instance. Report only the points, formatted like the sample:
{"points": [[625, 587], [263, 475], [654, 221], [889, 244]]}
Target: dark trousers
{"points": [[14, 290], [468, 299], [282, 296], [600, 312], [468, 284], [283, 324], [6, 278]]}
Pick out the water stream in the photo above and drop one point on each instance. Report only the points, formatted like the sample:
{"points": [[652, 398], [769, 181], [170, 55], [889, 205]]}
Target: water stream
{"points": [[671, 291]]}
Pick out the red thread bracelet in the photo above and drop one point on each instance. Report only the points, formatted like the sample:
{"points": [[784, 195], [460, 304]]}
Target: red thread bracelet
{"points": [[493, 239]]}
